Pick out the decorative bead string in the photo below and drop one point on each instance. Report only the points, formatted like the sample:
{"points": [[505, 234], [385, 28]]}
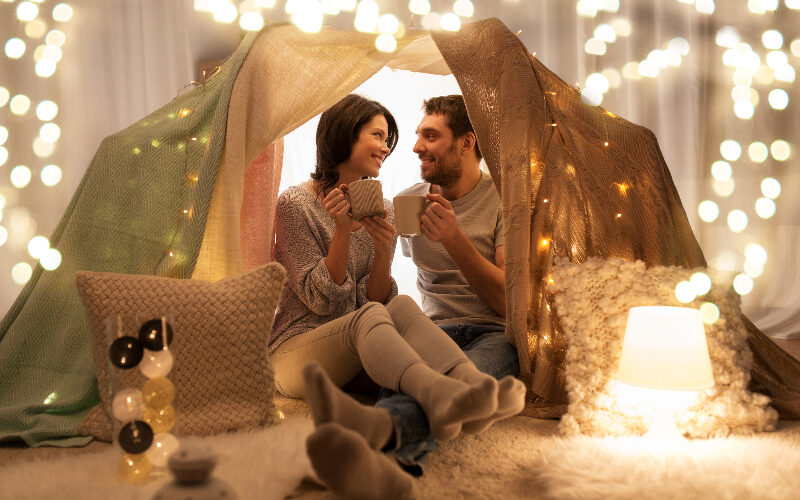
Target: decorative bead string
{"points": [[147, 414]]}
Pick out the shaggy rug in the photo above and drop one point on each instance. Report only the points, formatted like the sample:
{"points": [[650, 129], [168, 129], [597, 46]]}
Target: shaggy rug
{"points": [[519, 458]]}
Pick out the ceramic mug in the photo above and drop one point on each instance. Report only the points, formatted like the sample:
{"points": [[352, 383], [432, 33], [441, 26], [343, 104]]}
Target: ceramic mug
{"points": [[407, 211], [366, 198]]}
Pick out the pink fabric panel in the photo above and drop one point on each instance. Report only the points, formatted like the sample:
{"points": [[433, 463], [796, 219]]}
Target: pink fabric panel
{"points": [[260, 193]]}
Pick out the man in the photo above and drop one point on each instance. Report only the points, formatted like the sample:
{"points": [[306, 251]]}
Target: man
{"points": [[460, 274]]}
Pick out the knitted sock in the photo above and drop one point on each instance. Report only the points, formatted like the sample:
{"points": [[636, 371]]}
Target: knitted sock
{"points": [[510, 401], [330, 404], [344, 461], [448, 402]]}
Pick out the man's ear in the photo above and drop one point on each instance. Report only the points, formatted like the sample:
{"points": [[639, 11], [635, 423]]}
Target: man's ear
{"points": [[469, 142]]}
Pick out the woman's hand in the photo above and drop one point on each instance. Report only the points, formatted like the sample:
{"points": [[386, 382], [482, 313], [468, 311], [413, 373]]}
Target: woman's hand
{"points": [[381, 232], [338, 207]]}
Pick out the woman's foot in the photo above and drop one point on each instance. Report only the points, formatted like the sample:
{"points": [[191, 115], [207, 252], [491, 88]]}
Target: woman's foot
{"points": [[329, 404], [347, 464]]}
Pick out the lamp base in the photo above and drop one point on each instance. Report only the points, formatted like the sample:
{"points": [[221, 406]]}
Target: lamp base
{"points": [[664, 429]]}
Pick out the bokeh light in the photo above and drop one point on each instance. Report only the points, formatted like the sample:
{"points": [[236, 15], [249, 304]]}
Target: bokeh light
{"points": [[20, 176], [778, 99], [730, 150], [56, 38], [708, 210], [772, 39], [46, 111], [743, 284], [15, 48], [27, 11], [51, 175], [42, 148], [758, 151], [780, 150], [50, 132], [21, 273], [37, 246], [770, 187], [419, 7], [737, 221], [20, 104], [701, 283], [765, 208], [4, 95], [684, 292], [3, 135], [385, 42], [724, 188], [721, 170], [51, 259], [62, 12], [450, 22], [709, 312]]}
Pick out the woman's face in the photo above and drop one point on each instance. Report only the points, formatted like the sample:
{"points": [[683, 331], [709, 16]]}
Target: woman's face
{"points": [[370, 149]]}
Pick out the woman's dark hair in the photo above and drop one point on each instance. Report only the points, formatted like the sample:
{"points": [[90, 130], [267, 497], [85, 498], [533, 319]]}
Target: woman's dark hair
{"points": [[338, 130]]}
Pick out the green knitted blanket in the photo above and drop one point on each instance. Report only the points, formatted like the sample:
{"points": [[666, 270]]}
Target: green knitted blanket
{"points": [[141, 208]]}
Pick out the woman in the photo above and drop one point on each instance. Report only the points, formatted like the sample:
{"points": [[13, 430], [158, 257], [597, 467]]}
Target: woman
{"points": [[340, 309]]}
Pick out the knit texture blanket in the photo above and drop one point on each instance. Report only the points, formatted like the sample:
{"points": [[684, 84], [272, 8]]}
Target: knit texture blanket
{"points": [[140, 208]]}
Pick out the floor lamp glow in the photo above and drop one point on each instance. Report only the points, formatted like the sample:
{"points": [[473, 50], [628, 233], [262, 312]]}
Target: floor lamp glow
{"points": [[665, 356]]}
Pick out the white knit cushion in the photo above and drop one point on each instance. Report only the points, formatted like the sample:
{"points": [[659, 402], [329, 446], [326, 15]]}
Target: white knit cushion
{"points": [[222, 374], [592, 300]]}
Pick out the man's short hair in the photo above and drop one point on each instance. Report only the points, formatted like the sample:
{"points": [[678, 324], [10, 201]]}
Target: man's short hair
{"points": [[453, 107]]}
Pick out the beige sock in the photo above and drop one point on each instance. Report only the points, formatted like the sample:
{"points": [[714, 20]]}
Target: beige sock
{"points": [[510, 401], [330, 404], [344, 461], [448, 402]]}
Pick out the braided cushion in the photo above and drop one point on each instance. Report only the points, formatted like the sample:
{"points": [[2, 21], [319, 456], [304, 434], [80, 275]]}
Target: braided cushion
{"points": [[222, 375], [592, 299]]}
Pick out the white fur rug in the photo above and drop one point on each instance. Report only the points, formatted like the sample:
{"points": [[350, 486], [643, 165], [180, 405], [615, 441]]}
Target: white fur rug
{"points": [[518, 458]]}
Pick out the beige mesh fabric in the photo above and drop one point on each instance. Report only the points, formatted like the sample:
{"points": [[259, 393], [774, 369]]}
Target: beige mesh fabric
{"points": [[575, 182], [287, 78], [222, 375]]}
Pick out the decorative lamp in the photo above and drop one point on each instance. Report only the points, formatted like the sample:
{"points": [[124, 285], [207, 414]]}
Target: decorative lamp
{"points": [[665, 362]]}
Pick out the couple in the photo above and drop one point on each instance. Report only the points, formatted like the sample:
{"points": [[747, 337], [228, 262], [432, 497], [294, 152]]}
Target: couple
{"points": [[340, 312]]}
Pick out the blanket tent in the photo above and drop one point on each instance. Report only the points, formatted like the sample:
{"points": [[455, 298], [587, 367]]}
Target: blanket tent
{"points": [[189, 191]]}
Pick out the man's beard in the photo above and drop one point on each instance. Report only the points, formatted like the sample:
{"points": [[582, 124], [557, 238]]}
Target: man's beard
{"points": [[447, 171]]}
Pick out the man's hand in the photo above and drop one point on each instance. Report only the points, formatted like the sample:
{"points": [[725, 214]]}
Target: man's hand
{"points": [[381, 232], [438, 223], [338, 207]]}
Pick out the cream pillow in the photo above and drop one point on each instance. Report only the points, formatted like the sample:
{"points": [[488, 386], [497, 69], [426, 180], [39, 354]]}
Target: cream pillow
{"points": [[222, 374], [592, 300]]}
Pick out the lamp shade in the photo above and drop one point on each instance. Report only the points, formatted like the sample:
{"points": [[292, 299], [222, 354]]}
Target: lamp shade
{"points": [[665, 348]]}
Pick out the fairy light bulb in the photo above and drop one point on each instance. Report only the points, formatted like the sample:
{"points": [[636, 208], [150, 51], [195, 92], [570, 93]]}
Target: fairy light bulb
{"points": [[51, 175], [20, 176], [21, 273]]}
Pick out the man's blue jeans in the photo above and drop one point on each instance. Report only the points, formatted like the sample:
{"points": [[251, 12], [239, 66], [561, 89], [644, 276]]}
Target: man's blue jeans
{"points": [[488, 348]]}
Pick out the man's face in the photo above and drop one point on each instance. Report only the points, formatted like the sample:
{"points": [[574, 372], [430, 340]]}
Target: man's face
{"points": [[438, 151]]}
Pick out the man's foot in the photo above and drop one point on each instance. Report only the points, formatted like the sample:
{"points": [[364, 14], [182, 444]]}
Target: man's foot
{"points": [[329, 404], [510, 401], [347, 464], [447, 401]]}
